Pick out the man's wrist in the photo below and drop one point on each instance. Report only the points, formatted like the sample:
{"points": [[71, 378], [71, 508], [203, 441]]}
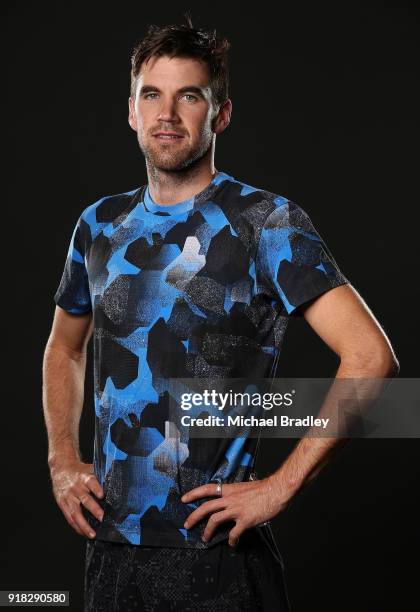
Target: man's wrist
{"points": [[63, 457], [283, 488]]}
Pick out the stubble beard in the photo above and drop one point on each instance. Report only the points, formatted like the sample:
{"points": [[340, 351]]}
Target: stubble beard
{"points": [[160, 156]]}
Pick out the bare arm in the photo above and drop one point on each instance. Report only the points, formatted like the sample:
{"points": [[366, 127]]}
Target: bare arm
{"points": [[343, 320], [64, 367]]}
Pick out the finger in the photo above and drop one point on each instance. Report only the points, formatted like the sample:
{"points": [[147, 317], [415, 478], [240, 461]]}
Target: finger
{"points": [[206, 490], [93, 484], [216, 519], [66, 511], [73, 525], [234, 535], [88, 502], [79, 519], [203, 510]]}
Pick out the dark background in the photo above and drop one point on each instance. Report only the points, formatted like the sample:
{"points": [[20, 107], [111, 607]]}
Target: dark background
{"points": [[325, 106]]}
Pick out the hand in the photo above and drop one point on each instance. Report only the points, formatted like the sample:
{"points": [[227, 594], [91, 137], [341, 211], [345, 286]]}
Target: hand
{"points": [[247, 503], [73, 484]]}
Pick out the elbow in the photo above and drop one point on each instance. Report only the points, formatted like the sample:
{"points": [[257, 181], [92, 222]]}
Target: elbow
{"points": [[389, 366], [378, 362], [395, 368]]}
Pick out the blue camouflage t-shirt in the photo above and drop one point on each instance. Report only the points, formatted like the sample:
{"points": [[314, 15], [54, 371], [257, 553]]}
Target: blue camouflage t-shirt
{"points": [[199, 289]]}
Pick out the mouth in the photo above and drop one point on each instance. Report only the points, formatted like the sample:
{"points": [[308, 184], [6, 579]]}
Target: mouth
{"points": [[168, 136]]}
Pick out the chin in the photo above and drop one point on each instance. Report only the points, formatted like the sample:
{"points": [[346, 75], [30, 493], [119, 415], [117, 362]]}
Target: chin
{"points": [[171, 167], [167, 164]]}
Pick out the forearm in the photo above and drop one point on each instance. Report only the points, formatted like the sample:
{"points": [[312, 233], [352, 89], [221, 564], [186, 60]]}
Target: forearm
{"points": [[62, 395], [313, 452]]}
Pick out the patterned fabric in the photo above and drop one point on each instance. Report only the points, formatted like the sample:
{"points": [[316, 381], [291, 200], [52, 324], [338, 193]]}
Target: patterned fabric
{"points": [[128, 578], [199, 289]]}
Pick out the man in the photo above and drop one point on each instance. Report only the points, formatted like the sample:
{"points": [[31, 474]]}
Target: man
{"points": [[193, 275]]}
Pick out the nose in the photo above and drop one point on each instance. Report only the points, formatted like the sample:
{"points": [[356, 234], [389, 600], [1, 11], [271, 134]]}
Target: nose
{"points": [[167, 110]]}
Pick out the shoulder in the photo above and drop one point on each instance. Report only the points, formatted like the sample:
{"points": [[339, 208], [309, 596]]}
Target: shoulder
{"points": [[108, 209], [262, 207]]}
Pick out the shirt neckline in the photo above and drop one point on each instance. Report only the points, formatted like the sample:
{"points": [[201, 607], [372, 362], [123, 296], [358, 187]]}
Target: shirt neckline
{"points": [[185, 205]]}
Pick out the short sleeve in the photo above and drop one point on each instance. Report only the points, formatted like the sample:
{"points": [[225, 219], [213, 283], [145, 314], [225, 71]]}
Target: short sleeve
{"points": [[293, 262], [73, 293]]}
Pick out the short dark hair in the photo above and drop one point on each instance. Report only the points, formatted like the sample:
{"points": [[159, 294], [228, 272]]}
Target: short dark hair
{"points": [[185, 41]]}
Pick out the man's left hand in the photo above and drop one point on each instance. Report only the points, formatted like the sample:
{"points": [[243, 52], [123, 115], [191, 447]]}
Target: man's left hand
{"points": [[247, 503]]}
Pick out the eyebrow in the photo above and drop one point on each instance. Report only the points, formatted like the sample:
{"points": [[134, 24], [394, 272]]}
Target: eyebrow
{"points": [[189, 88]]}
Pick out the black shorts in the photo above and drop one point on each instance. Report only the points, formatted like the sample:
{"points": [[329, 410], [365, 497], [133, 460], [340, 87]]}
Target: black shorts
{"points": [[127, 578]]}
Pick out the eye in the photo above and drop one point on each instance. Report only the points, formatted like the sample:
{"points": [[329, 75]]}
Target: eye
{"points": [[191, 96], [147, 96]]}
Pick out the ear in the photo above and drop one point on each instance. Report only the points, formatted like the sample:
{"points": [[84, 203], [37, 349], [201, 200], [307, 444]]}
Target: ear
{"points": [[132, 119], [222, 119]]}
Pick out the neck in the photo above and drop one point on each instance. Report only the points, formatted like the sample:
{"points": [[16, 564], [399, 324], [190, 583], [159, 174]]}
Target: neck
{"points": [[170, 187]]}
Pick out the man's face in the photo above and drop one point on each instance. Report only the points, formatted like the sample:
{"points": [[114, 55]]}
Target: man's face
{"points": [[173, 95]]}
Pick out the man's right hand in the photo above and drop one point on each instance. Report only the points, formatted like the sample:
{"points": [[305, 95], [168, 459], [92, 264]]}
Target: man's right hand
{"points": [[73, 483]]}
